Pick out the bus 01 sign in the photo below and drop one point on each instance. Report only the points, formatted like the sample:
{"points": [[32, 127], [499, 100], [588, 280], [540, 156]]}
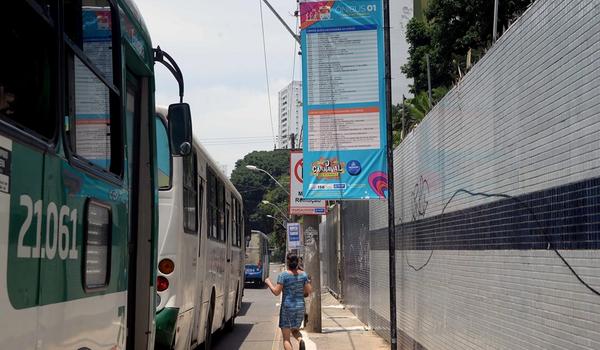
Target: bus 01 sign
{"points": [[299, 205]]}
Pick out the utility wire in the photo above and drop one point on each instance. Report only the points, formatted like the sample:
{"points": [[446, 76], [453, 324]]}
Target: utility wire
{"points": [[235, 138], [262, 26]]}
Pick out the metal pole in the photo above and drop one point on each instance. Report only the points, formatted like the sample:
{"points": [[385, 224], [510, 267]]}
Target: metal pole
{"points": [[280, 211], [403, 116], [429, 81], [495, 35], [390, 159], [296, 37], [274, 179]]}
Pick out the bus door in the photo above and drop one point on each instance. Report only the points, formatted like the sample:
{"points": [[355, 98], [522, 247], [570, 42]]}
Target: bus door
{"points": [[143, 196]]}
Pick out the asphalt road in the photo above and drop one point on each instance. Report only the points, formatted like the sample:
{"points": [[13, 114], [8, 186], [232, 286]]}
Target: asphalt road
{"points": [[256, 326]]}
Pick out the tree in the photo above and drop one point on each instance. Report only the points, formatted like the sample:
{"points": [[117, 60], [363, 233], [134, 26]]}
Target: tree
{"points": [[451, 29], [255, 186], [415, 109]]}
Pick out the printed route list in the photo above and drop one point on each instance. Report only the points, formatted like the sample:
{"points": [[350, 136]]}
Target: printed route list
{"points": [[343, 68], [342, 65]]}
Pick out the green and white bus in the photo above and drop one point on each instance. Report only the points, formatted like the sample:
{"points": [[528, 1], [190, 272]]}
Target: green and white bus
{"points": [[200, 246], [78, 183]]}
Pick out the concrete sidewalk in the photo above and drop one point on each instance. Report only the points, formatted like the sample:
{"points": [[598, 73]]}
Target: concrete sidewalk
{"points": [[342, 330]]}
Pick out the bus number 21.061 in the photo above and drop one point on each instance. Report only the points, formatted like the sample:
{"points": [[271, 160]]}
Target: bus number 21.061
{"points": [[57, 235]]}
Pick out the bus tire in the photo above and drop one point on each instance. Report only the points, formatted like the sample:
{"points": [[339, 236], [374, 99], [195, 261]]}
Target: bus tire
{"points": [[209, 322], [230, 324]]}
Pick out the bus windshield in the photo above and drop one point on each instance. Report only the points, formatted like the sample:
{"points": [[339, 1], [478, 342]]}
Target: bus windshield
{"points": [[163, 155]]}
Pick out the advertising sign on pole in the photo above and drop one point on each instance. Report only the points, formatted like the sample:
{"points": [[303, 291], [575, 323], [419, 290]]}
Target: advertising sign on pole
{"points": [[293, 235], [344, 106], [299, 205]]}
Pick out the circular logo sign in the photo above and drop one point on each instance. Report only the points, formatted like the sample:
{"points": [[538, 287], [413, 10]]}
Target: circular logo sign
{"points": [[353, 167]]}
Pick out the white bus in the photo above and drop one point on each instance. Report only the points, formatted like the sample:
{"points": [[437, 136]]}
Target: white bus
{"points": [[200, 246], [256, 264]]}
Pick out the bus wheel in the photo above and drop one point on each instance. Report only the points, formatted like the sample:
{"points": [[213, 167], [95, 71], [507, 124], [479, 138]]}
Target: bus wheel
{"points": [[230, 324], [209, 322]]}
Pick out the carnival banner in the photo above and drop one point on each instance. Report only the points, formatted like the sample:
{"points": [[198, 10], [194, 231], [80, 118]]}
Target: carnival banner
{"points": [[344, 100]]}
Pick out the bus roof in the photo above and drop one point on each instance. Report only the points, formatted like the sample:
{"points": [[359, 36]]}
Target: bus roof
{"points": [[135, 13]]}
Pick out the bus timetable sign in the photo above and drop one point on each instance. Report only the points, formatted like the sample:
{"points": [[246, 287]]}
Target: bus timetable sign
{"points": [[299, 205]]}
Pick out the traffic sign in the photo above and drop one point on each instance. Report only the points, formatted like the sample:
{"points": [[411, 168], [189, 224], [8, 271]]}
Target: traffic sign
{"points": [[299, 205]]}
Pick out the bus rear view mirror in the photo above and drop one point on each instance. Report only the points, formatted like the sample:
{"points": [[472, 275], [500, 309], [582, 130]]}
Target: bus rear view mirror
{"points": [[180, 129]]}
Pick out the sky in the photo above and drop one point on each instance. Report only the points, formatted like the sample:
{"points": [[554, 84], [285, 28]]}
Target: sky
{"points": [[218, 46]]}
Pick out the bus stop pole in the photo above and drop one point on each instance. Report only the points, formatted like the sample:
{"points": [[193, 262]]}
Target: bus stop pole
{"points": [[390, 191]]}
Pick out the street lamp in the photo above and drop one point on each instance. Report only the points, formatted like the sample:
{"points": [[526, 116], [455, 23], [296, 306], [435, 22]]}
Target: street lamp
{"points": [[279, 221], [255, 168], [264, 201]]}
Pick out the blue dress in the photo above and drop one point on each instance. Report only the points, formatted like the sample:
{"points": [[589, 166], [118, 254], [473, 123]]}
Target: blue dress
{"points": [[291, 314]]}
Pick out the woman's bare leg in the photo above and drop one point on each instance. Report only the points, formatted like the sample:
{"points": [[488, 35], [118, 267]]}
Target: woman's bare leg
{"points": [[286, 333], [296, 333]]}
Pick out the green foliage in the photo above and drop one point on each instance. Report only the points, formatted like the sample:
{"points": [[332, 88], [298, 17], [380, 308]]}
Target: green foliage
{"points": [[256, 186], [452, 27], [415, 109]]}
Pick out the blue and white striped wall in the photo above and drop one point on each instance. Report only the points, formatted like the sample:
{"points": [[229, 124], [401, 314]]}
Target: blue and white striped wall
{"points": [[498, 198]]}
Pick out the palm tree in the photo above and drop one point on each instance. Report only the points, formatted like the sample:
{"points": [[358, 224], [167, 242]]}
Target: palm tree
{"points": [[415, 110]]}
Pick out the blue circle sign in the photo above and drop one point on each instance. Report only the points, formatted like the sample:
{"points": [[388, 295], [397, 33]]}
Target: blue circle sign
{"points": [[353, 167]]}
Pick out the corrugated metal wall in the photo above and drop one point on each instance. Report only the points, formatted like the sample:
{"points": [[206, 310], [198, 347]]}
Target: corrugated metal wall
{"points": [[330, 257], [355, 282]]}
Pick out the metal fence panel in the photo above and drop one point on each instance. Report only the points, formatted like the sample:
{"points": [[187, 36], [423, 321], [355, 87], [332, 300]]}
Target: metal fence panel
{"points": [[355, 238]]}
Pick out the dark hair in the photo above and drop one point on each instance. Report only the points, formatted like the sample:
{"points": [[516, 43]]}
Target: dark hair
{"points": [[292, 261]]}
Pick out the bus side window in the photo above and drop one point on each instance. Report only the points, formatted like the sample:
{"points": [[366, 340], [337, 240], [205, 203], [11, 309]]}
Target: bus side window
{"points": [[190, 194], [212, 205], [200, 202], [28, 78], [97, 246], [234, 241], [221, 210], [94, 123]]}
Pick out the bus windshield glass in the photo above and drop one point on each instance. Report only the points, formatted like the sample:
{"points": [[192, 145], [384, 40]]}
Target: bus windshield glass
{"points": [[163, 155]]}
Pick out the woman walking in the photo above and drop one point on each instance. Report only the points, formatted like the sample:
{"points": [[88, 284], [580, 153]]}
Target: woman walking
{"points": [[295, 286]]}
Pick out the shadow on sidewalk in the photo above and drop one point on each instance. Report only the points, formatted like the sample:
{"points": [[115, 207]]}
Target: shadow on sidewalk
{"points": [[224, 340]]}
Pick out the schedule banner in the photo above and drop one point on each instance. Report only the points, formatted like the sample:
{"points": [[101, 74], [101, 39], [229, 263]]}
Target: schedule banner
{"points": [[344, 108]]}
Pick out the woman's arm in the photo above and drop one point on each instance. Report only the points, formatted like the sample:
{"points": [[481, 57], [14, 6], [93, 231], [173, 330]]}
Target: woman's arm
{"points": [[275, 289], [307, 288]]}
